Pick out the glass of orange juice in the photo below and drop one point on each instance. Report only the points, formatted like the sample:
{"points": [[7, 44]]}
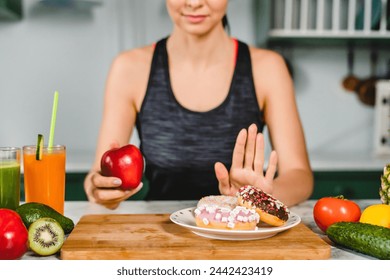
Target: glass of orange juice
{"points": [[44, 179]]}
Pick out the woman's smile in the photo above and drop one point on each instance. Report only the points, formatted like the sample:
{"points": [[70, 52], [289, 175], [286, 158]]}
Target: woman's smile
{"points": [[195, 18]]}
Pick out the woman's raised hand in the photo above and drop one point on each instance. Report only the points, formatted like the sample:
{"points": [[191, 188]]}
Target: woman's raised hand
{"points": [[247, 164]]}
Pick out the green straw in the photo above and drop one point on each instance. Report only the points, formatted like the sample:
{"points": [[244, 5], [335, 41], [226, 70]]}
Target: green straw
{"points": [[53, 119]]}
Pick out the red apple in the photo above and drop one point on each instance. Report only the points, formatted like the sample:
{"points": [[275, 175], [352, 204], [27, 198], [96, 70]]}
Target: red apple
{"points": [[126, 163]]}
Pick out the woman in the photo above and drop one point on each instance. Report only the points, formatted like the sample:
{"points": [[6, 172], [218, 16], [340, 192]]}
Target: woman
{"points": [[199, 100]]}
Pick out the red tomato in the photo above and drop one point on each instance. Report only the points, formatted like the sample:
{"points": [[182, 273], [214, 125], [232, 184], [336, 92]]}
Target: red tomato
{"points": [[329, 210], [13, 235]]}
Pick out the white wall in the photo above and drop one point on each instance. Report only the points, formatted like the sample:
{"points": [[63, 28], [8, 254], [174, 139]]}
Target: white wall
{"points": [[55, 49], [71, 51]]}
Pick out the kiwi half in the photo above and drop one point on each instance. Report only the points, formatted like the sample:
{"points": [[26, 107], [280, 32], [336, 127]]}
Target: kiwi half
{"points": [[45, 236]]}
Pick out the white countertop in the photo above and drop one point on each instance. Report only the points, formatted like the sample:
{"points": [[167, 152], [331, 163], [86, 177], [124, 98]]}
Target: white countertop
{"points": [[76, 209]]}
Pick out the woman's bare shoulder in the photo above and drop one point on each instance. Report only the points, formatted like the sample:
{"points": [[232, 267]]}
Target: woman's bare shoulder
{"points": [[128, 76], [264, 58], [269, 67], [136, 60], [271, 75]]}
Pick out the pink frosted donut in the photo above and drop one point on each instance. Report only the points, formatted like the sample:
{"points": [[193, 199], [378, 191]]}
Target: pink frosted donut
{"points": [[219, 200], [216, 217]]}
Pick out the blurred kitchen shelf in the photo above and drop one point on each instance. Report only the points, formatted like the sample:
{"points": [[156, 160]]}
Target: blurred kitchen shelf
{"points": [[329, 41], [356, 35], [329, 22], [11, 10], [71, 4]]}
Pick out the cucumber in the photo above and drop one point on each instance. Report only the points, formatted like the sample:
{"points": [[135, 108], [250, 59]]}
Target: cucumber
{"points": [[365, 238], [39, 151]]}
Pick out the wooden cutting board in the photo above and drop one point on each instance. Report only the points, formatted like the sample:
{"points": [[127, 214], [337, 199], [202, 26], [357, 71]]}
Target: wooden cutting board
{"points": [[156, 237]]}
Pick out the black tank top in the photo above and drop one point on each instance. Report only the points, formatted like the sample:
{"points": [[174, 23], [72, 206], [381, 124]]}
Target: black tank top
{"points": [[180, 146]]}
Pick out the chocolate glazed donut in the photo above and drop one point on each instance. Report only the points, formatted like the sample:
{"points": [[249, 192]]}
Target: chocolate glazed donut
{"points": [[271, 210]]}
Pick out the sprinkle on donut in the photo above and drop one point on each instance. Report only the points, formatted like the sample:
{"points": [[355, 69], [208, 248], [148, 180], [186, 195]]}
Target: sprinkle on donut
{"points": [[258, 199]]}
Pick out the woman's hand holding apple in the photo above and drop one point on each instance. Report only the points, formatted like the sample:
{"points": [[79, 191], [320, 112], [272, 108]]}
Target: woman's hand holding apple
{"points": [[120, 176], [107, 191]]}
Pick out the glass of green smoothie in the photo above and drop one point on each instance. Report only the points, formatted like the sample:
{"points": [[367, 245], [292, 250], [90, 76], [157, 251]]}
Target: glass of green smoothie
{"points": [[9, 177]]}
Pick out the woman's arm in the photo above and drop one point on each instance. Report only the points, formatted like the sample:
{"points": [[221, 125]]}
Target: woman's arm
{"points": [[122, 98], [294, 183], [275, 90]]}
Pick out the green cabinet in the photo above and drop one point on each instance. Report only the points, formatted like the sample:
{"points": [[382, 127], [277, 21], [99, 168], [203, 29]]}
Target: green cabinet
{"points": [[351, 184], [11, 9], [74, 190]]}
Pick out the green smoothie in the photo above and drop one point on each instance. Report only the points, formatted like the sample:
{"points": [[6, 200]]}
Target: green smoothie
{"points": [[9, 185]]}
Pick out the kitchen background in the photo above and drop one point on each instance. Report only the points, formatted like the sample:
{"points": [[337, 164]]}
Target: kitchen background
{"points": [[68, 45]]}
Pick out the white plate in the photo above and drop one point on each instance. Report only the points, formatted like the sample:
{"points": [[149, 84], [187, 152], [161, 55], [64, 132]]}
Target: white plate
{"points": [[186, 218]]}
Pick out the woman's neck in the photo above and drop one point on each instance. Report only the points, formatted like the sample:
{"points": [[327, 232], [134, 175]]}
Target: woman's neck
{"points": [[199, 50]]}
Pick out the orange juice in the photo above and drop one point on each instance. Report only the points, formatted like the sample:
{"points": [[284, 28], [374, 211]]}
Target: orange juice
{"points": [[44, 180]]}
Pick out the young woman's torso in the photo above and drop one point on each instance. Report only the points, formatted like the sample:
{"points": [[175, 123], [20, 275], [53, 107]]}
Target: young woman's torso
{"points": [[182, 141], [184, 79]]}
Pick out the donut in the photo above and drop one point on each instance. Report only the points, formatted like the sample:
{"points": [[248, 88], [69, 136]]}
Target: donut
{"points": [[271, 211], [216, 217], [219, 200]]}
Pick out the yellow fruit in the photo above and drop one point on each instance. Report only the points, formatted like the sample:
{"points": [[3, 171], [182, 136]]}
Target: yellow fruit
{"points": [[376, 214]]}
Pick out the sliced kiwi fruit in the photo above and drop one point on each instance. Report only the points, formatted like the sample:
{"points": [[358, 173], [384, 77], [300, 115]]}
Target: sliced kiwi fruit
{"points": [[45, 236], [32, 211], [39, 151]]}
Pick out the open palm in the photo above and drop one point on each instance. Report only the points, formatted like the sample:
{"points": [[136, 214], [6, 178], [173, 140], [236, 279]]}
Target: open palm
{"points": [[247, 164]]}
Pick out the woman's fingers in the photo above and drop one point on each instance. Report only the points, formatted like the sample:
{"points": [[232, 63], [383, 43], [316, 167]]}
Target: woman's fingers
{"points": [[111, 206], [112, 196], [105, 182], [258, 163], [247, 151], [222, 175], [247, 163], [250, 147], [272, 166], [106, 191], [239, 150]]}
